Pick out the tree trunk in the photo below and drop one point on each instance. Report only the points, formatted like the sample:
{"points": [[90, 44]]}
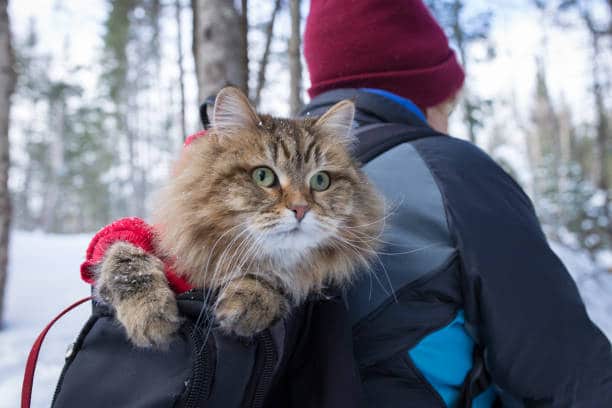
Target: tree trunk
{"points": [[295, 62], [602, 126], [217, 46], [7, 86], [468, 107], [602, 131], [244, 41], [179, 39], [263, 64], [57, 124]]}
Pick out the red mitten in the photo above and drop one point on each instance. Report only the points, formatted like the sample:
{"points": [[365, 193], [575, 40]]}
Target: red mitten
{"points": [[136, 232]]}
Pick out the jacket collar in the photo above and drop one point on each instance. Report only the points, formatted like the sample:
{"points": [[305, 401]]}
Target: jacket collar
{"points": [[371, 107]]}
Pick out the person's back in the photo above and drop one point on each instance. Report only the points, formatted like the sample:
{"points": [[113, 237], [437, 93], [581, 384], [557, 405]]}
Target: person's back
{"points": [[468, 302]]}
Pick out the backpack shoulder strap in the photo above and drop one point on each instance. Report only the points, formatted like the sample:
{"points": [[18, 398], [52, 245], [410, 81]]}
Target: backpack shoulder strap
{"points": [[377, 138]]}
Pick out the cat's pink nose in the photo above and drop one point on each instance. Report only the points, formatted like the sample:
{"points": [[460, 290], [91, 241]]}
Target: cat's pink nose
{"points": [[299, 211]]}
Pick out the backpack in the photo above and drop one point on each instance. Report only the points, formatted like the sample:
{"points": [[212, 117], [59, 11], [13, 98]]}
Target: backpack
{"points": [[303, 361]]}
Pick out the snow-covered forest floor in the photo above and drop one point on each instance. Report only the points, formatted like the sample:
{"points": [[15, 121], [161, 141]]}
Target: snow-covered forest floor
{"points": [[44, 278]]}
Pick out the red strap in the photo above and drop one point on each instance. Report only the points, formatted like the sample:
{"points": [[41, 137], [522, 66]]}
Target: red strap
{"points": [[28, 377]]}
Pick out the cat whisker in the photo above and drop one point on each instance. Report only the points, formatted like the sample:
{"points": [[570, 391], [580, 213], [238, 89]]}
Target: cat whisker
{"points": [[359, 250], [217, 263], [381, 252], [236, 274], [214, 246], [221, 268], [387, 214]]}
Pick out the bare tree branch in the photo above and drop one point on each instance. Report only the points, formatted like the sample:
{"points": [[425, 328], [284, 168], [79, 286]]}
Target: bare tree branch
{"points": [[263, 64]]}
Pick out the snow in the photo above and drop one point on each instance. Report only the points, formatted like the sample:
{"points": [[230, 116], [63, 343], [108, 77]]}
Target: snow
{"points": [[595, 284], [44, 279]]}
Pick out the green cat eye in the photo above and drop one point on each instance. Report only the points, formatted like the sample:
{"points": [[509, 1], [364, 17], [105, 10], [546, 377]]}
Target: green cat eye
{"points": [[264, 176], [320, 181]]}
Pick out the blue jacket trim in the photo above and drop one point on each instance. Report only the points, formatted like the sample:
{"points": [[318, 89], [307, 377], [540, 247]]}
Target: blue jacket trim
{"points": [[444, 357], [406, 103]]}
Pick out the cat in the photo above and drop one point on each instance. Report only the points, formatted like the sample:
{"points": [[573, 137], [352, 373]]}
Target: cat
{"points": [[265, 211]]}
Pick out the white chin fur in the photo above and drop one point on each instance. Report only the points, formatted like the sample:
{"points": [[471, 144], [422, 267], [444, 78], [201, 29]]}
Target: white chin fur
{"points": [[290, 239]]}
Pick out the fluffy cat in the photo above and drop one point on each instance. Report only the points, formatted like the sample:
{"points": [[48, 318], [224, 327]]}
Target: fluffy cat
{"points": [[264, 211]]}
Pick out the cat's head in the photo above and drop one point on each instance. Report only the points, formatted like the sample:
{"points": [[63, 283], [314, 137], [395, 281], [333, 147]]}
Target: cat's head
{"points": [[261, 189]]}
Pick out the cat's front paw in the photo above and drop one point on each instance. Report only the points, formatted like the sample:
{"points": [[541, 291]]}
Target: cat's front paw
{"points": [[133, 282], [151, 322], [248, 306]]}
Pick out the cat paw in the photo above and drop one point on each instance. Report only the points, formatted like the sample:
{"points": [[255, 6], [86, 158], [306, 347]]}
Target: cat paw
{"points": [[247, 306], [150, 322]]}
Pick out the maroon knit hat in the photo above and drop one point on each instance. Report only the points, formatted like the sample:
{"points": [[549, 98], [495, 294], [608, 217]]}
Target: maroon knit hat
{"points": [[394, 45]]}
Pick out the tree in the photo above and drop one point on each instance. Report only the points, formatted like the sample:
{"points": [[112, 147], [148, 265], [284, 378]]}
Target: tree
{"points": [[218, 46], [86, 204], [58, 118], [543, 148], [130, 62], [596, 19], [31, 89], [295, 59], [8, 77], [263, 63], [567, 202], [179, 46], [244, 43], [115, 80], [602, 127]]}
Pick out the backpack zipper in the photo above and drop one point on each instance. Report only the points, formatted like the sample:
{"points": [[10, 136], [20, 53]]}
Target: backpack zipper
{"points": [[198, 389], [265, 373]]}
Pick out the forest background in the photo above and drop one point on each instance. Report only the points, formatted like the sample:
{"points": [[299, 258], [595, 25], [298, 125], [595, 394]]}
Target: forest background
{"points": [[97, 96], [100, 95]]}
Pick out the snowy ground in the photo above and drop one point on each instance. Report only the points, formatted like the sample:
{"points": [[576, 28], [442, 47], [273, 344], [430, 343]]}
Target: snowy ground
{"points": [[44, 278]]}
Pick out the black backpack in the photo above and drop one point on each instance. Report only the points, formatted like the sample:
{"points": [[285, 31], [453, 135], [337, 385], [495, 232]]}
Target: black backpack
{"points": [[202, 368]]}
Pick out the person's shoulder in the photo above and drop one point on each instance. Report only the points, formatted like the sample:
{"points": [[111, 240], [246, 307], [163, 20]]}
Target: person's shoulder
{"points": [[449, 150], [465, 174], [461, 158]]}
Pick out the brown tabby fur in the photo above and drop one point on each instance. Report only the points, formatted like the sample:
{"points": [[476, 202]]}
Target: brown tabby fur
{"points": [[135, 284], [214, 217]]}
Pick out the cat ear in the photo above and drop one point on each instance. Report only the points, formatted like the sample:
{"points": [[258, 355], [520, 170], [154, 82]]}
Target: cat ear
{"points": [[233, 111], [338, 121]]}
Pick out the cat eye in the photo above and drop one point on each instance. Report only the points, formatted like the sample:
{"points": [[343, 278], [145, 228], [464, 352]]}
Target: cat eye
{"points": [[320, 181], [264, 176]]}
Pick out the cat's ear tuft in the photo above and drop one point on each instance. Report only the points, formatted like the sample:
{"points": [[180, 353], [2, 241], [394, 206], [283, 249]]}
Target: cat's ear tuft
{"points": [[338, 121], [233, 111]]}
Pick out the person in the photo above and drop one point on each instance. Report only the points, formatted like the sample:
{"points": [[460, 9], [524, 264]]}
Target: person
{"points": [[469, 306]]}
